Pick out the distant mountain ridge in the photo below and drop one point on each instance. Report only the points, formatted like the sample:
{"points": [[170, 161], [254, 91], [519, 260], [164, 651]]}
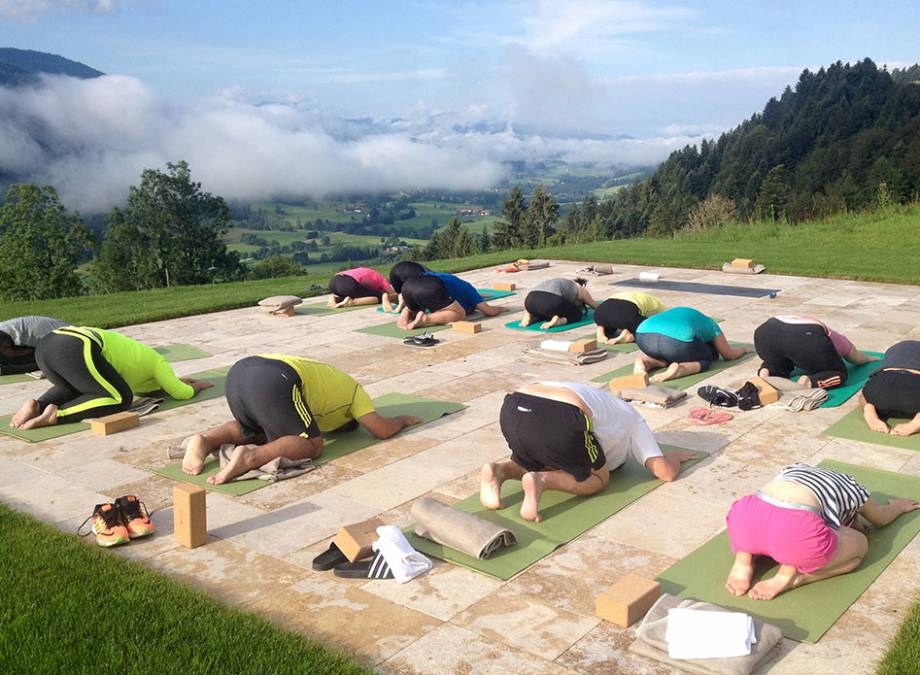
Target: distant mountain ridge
{"points": [[23, 66]]}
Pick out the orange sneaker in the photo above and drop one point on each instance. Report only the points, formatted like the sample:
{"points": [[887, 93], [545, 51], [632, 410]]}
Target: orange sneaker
{"points": [[107, 526], [135, 517]]}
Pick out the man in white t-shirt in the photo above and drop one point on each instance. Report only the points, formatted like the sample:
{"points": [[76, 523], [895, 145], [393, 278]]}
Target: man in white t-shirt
{"points": [[569, 436]]}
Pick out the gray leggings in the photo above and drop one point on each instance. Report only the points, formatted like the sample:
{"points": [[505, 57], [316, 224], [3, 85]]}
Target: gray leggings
{"points": [[671, 350]]}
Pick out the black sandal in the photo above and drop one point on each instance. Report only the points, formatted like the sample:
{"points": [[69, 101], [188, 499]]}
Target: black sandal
{"points": [[717, 396], [375, 568], [329, 559], [423, 340]]}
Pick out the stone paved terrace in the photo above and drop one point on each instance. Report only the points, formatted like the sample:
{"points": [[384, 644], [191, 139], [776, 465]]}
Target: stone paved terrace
{"points": [[453, 619]]}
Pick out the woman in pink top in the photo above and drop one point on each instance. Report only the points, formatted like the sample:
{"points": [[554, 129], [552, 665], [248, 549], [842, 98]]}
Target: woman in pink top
{"points": [[789, 342], [360, 286]]}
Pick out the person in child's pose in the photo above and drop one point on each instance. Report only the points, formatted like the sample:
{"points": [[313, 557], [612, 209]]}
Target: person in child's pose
{"points": [[619, 316], [894, 390], [556, 302], [805, 519], [435, 298], [360, 286], [569, 436], [18, 339]]}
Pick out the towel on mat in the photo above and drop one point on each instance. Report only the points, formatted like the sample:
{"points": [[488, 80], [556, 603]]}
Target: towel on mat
{"points": [[405, 562], [281, 468], [566, 358], [144, 405], [456, 529], [650, 640], [654, 395]]}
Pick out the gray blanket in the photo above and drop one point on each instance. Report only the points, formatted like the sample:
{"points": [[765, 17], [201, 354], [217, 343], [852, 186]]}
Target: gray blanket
{"points": [[456, 529], [566, 358], [650, 641]]}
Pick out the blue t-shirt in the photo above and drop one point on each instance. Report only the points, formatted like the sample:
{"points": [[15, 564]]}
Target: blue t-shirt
{"points": [[460, 290], [681, 323]]}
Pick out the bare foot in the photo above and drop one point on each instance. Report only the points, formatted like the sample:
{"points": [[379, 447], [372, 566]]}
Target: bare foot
{"points": [[46, 419], [490, 488], [770, 588], [739, 578], [878, 426], [669, 373], [237, 466], [763, 372], [555, 321], [640, 367], [526, 320], [28, 410], [532, 483], [196, 451], [805, 381], [904, 429]]}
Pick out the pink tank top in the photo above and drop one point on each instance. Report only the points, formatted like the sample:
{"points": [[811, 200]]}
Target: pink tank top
{"points": [[370, 278]]}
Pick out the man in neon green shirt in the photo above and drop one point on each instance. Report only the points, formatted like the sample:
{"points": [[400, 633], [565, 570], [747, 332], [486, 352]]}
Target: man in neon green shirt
{"points": [[281, 406], [94, 373]]}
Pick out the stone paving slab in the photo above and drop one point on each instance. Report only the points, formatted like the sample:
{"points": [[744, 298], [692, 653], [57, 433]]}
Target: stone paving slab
{"points": [[455, 620]]}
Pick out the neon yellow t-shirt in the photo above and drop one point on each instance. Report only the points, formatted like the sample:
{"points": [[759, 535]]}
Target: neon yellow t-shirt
{"points": [[333, 397], [647, 304]]}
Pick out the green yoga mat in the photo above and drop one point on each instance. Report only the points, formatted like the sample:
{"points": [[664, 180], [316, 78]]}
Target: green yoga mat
{"points": [[565, 516], [218, 377], [853, 427], [390, 329], [804, 613], [681, 382], [336, 444], [486, 293], [173, 353], [535, 326], [321, 310], [855, 380]]}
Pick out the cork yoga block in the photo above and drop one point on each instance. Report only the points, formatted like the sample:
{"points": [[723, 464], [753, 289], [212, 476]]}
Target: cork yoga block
{"points": [[627, 600], [466, 326], [504, 286], [581, 346], [190, 516], [112, 424], [628, 382], [356, 541]]}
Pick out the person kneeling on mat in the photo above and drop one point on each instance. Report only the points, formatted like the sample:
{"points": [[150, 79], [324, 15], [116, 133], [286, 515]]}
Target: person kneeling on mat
{"points": [[434, 298], [894, 390], [805, 519], [360, 286], [18, 339], [618, 317], [557, 302], [95, 373], [400, 273], [568, 436], [281, 406], [788, 342], [682, 340]]}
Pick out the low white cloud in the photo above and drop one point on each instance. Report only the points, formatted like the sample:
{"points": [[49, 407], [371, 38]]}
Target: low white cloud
{"points": [[29, 10]]}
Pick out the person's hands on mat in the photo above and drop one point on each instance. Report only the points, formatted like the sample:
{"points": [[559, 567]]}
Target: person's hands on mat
{"points": [[197, 385]]}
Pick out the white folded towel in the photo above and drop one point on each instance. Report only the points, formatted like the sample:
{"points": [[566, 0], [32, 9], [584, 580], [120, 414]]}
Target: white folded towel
{"points": [[700, 634], [555, 345], [405, 562]]}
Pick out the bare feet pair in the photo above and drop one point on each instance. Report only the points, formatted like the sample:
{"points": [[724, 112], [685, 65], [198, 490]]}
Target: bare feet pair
{"points": [[197, 450], [555, 321], [491, 487], [31, 416], [742, 573]]}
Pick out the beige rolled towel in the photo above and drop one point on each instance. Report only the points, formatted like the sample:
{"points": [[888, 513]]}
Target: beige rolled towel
{"points": [[650, 641], [459, 530]]}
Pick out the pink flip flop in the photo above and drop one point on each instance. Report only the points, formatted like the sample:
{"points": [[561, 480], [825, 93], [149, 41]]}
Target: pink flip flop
{"points": [[706, 416]]}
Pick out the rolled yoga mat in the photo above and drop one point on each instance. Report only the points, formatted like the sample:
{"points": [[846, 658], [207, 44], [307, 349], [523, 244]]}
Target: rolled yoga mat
{"points": [[218, 377], [535, 326], [807, 612], [853, 427], [857, 377], [565, 516], [173, 354], [682, 382], [691, 287], [337, 444]]}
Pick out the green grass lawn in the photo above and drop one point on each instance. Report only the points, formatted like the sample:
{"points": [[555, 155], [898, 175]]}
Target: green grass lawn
{"points": [[69, 607], [903, 657]]}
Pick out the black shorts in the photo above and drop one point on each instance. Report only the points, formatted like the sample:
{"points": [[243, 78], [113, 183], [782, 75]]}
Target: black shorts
{"points": [[344, 286], [785, 346], [894, 393], [426, 293], [266, 398], [615, 315], [547, 434], [401, 272], [544, 306]]}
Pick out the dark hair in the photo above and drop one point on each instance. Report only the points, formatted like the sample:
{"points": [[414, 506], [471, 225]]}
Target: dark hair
{"points": [[403, 271], [5, 340], [581, 281]]}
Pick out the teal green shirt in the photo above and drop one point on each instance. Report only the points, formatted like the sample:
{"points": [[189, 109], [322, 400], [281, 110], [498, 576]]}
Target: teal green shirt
{"points": [[681, 323]]}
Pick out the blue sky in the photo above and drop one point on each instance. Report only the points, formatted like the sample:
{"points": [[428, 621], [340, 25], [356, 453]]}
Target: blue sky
{"points": [[639, 68]]}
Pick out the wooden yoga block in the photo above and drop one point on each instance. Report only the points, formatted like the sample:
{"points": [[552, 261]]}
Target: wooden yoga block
{"points": [[112, 424], [628, 382], [584, 345], [504, 286], [742, 262], [356, 541], [284, 311], [767, 392], [466, 326], [627, 600], [190, 516]]}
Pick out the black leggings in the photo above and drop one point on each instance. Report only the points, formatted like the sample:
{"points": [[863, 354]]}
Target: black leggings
{"points": [[16, 365], [786, 346], [85, 384], [894, 393], [344, 286], [616, 314], [544, 306]]}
